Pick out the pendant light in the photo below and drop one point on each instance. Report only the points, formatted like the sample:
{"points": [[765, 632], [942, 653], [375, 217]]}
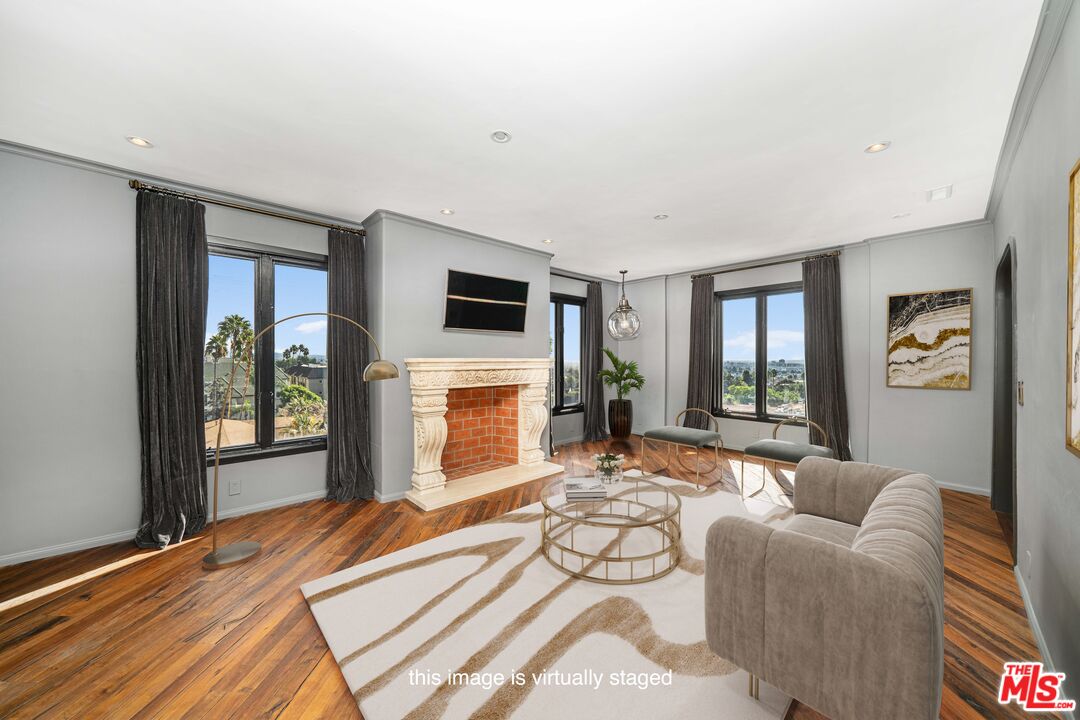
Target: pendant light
{"points": [[623, 323]]}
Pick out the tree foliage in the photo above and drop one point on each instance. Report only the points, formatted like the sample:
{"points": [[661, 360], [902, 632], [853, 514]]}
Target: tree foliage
{"points": [[623, 376]]}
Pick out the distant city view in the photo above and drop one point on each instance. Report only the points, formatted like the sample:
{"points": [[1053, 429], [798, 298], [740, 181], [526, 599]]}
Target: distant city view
{"points": [[785, 389], [784, 373]]}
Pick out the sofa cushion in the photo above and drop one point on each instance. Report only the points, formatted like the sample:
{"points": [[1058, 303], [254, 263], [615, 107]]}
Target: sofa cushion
{"points": [[787, 451], [683, 435], [823, 528]]}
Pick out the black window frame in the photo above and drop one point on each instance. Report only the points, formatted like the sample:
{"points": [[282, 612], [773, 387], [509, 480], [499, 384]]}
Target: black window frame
{"points": [[561, 300], [761, 294], [265, 446]]}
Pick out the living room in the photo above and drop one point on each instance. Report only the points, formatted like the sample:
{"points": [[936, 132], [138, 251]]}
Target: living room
{"points": [[478, 361]]}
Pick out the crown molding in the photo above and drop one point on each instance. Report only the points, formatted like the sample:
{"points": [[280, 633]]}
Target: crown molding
{"points": [[1047, 35], [119, 172], [380, 215]]}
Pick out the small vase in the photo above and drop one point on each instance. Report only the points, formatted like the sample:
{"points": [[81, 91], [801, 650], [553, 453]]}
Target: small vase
{"points": [[609, 478]]}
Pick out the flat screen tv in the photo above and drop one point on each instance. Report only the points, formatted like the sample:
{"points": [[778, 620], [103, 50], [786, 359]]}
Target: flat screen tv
{"points": [[481, 303]]}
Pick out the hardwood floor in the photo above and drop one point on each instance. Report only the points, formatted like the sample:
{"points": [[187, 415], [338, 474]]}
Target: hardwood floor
{"points": [[154, 635]]}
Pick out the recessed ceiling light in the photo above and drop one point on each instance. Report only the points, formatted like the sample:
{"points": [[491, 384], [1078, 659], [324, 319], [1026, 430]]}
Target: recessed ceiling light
{"points": [[139, 141], [501, 136], [547, 241], [899, 216], [447, 211], [878, 147], [661, 216], [942, 193]]}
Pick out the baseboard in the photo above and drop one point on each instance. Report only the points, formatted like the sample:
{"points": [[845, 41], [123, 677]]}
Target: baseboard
{"points": [[964, 488], [271, 504], [390, 497], [64, 548], [1040, 640], [566, 441]]}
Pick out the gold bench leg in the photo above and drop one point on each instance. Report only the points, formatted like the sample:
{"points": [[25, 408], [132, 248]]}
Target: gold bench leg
{"points": [[764, 480]]}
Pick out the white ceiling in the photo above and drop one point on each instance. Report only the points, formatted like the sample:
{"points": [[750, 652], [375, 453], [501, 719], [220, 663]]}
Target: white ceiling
{"points": [[743, 121]]}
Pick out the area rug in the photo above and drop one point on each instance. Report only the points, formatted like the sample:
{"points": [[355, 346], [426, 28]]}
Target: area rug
{"points": [[478, 624]]}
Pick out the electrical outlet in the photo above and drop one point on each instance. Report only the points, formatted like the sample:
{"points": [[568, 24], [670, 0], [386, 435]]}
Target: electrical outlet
{"points": [[234, 487]]}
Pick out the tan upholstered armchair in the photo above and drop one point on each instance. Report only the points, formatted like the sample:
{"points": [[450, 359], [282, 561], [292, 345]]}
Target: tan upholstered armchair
{"points": [[842, 606]]}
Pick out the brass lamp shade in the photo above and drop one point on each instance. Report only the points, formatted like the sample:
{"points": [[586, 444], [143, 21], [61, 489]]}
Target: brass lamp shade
{"points": [[380, 370]]}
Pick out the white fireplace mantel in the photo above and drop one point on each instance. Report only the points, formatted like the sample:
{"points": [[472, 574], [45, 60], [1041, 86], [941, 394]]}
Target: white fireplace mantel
{"points": [[430, 379]]}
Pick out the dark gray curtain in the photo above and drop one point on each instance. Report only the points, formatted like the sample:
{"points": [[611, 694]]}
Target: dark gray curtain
{"points": [[699, 385], [826, 394], [348, 437], [592, 359], [171, 281]]}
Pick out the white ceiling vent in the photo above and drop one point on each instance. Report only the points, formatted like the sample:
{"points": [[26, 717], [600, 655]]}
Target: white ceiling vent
{"points": [[941, 193]]}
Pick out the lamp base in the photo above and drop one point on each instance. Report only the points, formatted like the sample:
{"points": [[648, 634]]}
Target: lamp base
{"points": [[230, 555]]}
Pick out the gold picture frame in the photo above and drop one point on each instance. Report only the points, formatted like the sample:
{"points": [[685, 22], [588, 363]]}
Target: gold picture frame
{"points": [[1072, 319], [928, 339]]}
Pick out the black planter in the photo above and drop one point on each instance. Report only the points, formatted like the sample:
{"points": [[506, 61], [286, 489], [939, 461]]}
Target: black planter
{"points": [[620, 418]]}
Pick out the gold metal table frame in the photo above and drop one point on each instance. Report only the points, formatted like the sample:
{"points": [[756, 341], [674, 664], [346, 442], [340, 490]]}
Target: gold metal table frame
{"points": [[624, 511]]}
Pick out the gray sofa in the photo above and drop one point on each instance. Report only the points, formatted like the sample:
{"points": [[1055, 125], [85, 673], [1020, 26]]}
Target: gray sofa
{"points": [[841, 606]]}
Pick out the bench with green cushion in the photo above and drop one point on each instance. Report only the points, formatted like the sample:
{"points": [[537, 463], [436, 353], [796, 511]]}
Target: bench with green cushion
{"points": [[692, 437], [687, 437], [785, 451]]}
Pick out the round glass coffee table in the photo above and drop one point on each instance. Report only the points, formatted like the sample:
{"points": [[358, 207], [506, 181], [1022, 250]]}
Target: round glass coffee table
{"points": [[631, 536]]}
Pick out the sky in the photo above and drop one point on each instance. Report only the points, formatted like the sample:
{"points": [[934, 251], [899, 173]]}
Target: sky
{"points": [[296, 289], [571, 331], [784, 314]]}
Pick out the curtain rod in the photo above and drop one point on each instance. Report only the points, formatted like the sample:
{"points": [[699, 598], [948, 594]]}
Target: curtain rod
{"points": [[580, 278], [139, 185], [834, 253]]}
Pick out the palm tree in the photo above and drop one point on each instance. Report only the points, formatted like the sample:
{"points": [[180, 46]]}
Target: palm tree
{"points": [[216, 348], [237, 330]]}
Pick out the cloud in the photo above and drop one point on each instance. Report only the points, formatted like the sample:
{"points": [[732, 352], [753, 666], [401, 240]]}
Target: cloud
{"points": [[312, 326], [742, 341], [783, 338], [776, 339]]}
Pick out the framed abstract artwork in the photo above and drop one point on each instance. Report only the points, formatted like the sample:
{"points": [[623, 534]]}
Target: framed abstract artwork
{"points": [[929, 340], [1072, 330]]}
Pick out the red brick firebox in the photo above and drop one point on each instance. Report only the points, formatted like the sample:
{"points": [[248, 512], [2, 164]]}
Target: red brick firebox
{"points": [[482, 430]]}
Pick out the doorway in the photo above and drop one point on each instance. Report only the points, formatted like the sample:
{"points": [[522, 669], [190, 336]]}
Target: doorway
{"points": [[1003, 479]]}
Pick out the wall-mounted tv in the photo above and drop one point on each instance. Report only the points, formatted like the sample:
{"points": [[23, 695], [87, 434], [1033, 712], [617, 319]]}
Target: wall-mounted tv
{"points": [[482, 303]]}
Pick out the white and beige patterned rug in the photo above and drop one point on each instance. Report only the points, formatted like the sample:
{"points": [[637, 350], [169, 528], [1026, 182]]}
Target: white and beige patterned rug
{"points": [[482, 603]]}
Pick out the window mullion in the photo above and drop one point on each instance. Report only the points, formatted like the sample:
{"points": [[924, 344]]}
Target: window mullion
{"points": [[761, 346], [264, 353], [558, 354]]}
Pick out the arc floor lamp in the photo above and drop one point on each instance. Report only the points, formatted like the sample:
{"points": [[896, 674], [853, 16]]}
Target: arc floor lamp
{"points": [[377, 369]]}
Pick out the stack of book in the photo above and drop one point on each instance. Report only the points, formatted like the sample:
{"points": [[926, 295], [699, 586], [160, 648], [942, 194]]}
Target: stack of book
{"points": [[585, 489]]}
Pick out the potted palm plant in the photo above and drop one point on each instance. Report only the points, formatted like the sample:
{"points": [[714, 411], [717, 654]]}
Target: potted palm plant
{"points": [[624, 377]]}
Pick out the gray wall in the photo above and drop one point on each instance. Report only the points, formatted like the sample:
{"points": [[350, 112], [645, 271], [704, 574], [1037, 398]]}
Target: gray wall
{"points": [[918, 429], [944, 433], [70, 472], [1034, 211], [410, 258]]}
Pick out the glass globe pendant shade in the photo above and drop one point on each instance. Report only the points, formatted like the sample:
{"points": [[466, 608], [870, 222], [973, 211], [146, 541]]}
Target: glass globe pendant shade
{"points": [[623, 323]]}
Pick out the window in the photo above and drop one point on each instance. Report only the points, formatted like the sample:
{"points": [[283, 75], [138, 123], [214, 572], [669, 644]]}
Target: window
{"points": [[760, 368], [567, 335], [277, 404]]}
